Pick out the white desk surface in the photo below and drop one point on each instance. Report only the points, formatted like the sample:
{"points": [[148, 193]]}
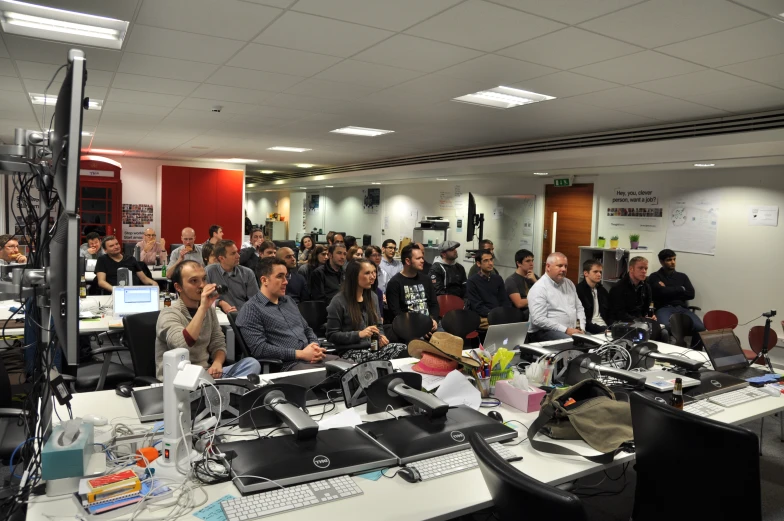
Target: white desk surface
{"points": [[156, 275], [395, 499]]}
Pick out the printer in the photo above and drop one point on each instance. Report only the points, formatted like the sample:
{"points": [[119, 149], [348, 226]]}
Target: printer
{"points": [[434, 222]]}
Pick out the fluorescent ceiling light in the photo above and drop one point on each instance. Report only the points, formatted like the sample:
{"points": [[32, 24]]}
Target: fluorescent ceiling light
{"points": [[51, 100], [441, 179], [361, 131], [304, 165], [303, 187], [279, 182], [541, 173], [267, 171], [237, 160], [37, 21], [704, 164], [251, 185], [503, 98], [86, 133], [375, 183], [330, 186], [289, 149], [107, 151]]}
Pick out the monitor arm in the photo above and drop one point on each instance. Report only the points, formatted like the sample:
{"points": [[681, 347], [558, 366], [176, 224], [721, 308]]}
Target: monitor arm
{"points": [[302, 426], [434, 406]]}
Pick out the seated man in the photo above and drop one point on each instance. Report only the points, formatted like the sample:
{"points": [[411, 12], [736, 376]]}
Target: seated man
{"points": [[297, 287], [556, 311], [191, 322], [9, 251], [448, 275], [249, 257], [151, 251], [92, 248], [240, 282], [630, 297], [256, 238], [594, 297], [273, 327], [485, 290], [215, 234], [325, 280], [671, 292], [107, 265], [411, 290], [520, 282], [188, 251], [485, 244]]}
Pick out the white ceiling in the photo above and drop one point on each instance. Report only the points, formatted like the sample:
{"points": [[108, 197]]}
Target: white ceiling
{"points": [[286, 72]]}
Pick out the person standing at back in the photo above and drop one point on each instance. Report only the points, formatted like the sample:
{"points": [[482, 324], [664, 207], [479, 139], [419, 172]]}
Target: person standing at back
{"points": [[388, 266]]}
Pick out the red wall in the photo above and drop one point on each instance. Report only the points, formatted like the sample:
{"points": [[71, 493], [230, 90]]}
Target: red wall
{"points": [[199, 198]]}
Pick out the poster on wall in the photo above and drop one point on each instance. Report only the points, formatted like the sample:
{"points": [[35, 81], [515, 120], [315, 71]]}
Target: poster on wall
{"points": [[446, 201], [637, 208], [763, 215], [313, 203], [693, 224], [135, 218], [371, 200]]}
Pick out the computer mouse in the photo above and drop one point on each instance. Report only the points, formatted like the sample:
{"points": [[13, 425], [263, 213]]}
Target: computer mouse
{"points": [[254, 379], [496, 416], [96, 420], [409, 474], [124, 390]]}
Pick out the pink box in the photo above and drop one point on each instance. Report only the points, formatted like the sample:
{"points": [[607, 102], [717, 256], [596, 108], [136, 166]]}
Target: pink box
{"points": [[517, 398]]}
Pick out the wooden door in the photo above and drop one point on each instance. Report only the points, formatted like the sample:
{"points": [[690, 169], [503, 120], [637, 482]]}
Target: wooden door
{"points": [[574, 206]]}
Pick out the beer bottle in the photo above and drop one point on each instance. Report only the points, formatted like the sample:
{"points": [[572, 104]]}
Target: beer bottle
{"points": [[167, 300], [374, 342], [577, 326], [83, 288], [677, 394], [163, 270]]}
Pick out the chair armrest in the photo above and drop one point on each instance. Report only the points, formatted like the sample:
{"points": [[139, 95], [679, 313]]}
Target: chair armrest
{"points": [[270, 361], [694, 308], [107, 349], [139, 381]]}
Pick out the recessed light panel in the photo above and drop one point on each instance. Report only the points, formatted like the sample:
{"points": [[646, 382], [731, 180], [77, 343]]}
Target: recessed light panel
{"points": [[704, 165], [503, 98], [51, 100], [304, 165], [361, 131], [289, 149]]}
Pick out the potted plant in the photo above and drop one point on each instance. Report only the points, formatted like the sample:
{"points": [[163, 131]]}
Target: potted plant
{"points": [[600, 241], [634, 239], [614, 241]]}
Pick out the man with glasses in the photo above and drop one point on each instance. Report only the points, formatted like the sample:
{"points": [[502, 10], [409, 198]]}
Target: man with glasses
{"points": [[188, 250], [9, 251], [297, 287], [150, 249], [389, 266]]}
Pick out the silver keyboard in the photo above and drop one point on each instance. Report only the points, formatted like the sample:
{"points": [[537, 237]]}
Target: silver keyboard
{"points": [[451, 463], [280, 500], [703, 408], [733, 398]]}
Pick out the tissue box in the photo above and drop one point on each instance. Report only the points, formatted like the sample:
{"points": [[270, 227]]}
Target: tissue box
{"points": [[526, 401], [60, 459]]}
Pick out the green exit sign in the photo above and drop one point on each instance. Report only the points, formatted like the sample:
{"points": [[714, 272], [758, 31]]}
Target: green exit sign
{"points": [[564, 181]]}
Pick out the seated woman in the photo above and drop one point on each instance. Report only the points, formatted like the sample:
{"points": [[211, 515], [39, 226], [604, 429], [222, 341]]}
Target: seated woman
{"points": [[353, 316], [355, 252], [207, 254], [305, 249], [317, 257]]}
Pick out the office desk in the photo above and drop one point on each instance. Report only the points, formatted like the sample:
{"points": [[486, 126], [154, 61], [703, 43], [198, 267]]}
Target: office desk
{"points": [[156, 275]]}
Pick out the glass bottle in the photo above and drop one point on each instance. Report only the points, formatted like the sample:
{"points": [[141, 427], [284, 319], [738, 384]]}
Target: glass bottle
{"points": [[677, 394], [83, 288]]}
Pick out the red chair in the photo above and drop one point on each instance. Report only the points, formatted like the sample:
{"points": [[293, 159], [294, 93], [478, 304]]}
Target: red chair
{"points": [[719, 319], [756, 335], [447, 303]]}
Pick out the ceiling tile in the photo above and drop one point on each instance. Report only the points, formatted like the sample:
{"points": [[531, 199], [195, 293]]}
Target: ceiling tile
{"points": [[268, 81], [747, 99], [7, 68], [3, 51], [418, 54], [229, 107], [305, 32], [284, 61], [331, 90], [749, 42], [182, 46], [771, 7], [618, 97], [563, 84], [570, 48], [661, 22], [39, 86], [306, 103], [674, 110], [165, 67], [118, 9], [496, 70], [236, 94], [223, 18], [768, 70], [31, 49], [395, 16], [696, 84], [135, 108], [8, 83], [569, 11], [426, 90], [274, 3], [484, 26], [144, 98], [45, 71], [367, 74], [635, 68], [150, 84]]}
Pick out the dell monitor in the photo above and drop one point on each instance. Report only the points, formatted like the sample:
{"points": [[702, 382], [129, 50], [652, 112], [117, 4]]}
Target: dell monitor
{"points": [[474, 220]]}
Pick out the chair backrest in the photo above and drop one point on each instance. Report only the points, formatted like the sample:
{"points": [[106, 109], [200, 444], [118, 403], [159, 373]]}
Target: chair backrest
{"points": [[286, 244], [514, 492], [461, 322], [411, 325], [139, 335], [719, 319], [680, 326], [447, 303], [238, 338], [315, 314], [174, 246], [756, 336], [504, 316], [666, 437]]}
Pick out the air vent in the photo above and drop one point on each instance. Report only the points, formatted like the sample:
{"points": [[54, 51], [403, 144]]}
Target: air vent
{"points": [[707, 127]]}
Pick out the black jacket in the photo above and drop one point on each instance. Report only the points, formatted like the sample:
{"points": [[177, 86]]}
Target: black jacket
{"points": [[628, 302], [249, 258], [448, 279], [585, 295], [677, 289], [297, 287], [325, 283], [484, 295]]}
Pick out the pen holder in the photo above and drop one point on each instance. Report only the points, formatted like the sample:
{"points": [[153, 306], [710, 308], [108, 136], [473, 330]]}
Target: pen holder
{"points": [[483, 384], [526, 401], [497, 376]]}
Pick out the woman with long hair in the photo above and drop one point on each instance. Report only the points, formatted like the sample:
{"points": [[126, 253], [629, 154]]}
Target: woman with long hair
{"points": [[317, 257], [354, 253], [305, 249]]}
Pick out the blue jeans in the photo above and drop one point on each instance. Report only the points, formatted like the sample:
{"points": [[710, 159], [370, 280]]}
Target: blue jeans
{"points": [[543, 335], [244, 367], [663, 317]]}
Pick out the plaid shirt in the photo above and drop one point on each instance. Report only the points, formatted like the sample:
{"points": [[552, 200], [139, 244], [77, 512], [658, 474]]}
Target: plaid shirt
{"points": [[274, 330]]}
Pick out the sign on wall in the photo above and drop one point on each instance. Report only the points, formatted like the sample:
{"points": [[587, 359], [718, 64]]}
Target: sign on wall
{"points": [[96, 173], [634, 207], [313, 202], [693, 224], [135, 219], [371, 200]]}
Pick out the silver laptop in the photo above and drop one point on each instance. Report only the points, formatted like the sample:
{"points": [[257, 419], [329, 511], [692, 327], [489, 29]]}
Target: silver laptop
{"points": [[90, 266], [130, 300], [662, 381], [509, 336]]}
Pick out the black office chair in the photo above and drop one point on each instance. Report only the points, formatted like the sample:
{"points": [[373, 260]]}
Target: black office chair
{"points": [[286, 244], [315, 314], [128, 249], [514, 492], [411, 325], [725, 456], [681, 326], [504, 316], [173, 247], [12, 431], [139, 338], [460, 322], [100, 372], [268, 365]]}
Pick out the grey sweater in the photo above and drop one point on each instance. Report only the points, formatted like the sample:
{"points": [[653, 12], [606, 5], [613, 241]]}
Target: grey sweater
{"points": [[340, 329]]}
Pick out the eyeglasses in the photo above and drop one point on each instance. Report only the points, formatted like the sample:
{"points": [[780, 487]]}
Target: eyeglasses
{"points": [[149, 235]]}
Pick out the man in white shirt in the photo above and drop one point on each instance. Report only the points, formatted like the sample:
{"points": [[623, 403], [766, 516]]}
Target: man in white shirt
{"points": [[556, 310], [594, 297]]}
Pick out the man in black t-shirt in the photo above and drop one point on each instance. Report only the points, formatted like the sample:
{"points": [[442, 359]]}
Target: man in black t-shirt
{"points": [[107, 265], [518, 283], [411, 289]]}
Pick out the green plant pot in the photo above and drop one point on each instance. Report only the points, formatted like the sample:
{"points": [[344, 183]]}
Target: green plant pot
{"points": [[600, 243]]}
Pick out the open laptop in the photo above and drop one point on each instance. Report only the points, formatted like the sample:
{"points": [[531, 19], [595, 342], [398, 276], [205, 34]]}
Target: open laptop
{"points": [[509, 336], [662, 381], [726, 354], [130, 300]]}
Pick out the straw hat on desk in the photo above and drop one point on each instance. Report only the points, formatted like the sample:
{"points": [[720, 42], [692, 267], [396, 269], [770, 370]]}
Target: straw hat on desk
{"points": [[440, 355]]}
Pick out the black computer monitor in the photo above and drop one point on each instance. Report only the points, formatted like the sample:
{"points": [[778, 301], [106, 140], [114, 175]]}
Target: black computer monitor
{"points": [[474, 220]]}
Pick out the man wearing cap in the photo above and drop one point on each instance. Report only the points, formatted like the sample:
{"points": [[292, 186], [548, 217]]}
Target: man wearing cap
{"points": [[9, 251], [440, 355], [556, 310], [671, 292], [448, 275]]}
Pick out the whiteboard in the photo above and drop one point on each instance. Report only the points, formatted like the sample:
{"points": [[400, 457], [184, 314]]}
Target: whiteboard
{"points": [[509, 223]]}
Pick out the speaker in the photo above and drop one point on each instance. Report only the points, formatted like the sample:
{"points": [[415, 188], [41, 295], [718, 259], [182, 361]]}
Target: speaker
{"points": [[366, 240], [124, 277], [357, 379]]}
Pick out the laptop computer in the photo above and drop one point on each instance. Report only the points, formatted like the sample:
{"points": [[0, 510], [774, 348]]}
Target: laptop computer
{"points": [[130, 300], [726, 354], [662, 381], [509, 336], [90, 265], [713, 383]]}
